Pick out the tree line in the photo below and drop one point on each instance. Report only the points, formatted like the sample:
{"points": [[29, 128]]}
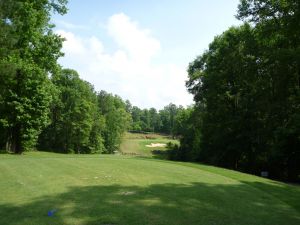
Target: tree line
{"points": [[246, 87], [47, 107], [82, 120], [159, 121], [41, 104]]}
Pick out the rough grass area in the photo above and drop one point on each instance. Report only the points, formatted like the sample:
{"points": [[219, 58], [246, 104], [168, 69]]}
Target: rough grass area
{"points": [[135, 144], [93, 189]]}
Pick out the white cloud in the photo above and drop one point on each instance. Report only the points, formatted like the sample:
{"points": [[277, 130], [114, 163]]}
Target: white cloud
{"points": [[129, 71], [137, 42], [72, 45]]}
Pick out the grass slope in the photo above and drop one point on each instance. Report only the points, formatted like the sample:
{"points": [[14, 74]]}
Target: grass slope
{"points": [[93, 189]]}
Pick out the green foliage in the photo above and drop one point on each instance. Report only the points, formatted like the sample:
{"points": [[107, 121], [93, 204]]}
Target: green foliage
{"points": [[117, 119], [80, 121], [188, 127], [76, 123], [83, 121], [28, 54], [246, 88], [151, 120]]}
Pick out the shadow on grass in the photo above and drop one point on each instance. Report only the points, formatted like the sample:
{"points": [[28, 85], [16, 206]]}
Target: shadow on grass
{"points": [[192, 203], [160, 154], [4, 152], [289, 194]]}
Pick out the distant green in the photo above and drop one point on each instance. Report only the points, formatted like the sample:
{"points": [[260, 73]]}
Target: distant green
{"points": [[135, 144]]}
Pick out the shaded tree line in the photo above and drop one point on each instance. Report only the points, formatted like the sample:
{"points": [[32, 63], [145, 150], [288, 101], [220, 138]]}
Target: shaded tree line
{"points": [[28, 55], [247, 92], [82, 120]]}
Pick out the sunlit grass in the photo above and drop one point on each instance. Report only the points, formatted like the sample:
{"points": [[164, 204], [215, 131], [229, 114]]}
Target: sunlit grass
{"points": [[105, 189]]}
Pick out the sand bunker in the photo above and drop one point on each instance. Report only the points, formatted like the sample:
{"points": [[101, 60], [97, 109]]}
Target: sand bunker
{"points": [[153, 145]]}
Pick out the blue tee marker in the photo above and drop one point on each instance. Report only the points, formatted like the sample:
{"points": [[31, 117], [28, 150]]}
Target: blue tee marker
{"points": [[51, 212]]}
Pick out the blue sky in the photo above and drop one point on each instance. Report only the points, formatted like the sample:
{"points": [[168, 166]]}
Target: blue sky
{"points": [[140, 50]]}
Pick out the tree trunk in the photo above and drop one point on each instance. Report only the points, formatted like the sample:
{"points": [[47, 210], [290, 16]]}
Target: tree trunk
{"points": [[16, 146], [8, 146]]}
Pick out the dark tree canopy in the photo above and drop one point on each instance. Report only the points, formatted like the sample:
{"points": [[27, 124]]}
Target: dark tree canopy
{"points": [[28, 54], [247, 93]]}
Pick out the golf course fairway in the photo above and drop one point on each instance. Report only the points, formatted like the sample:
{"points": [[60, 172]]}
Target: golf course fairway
{"points": [[48, 188]]}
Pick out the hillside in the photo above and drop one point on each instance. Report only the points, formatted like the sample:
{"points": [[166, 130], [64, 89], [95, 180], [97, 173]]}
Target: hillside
{"points": [[107, 189]]}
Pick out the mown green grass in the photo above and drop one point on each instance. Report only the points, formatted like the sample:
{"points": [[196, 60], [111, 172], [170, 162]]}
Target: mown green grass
{"points": [[104, 189], [135, 144]]}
